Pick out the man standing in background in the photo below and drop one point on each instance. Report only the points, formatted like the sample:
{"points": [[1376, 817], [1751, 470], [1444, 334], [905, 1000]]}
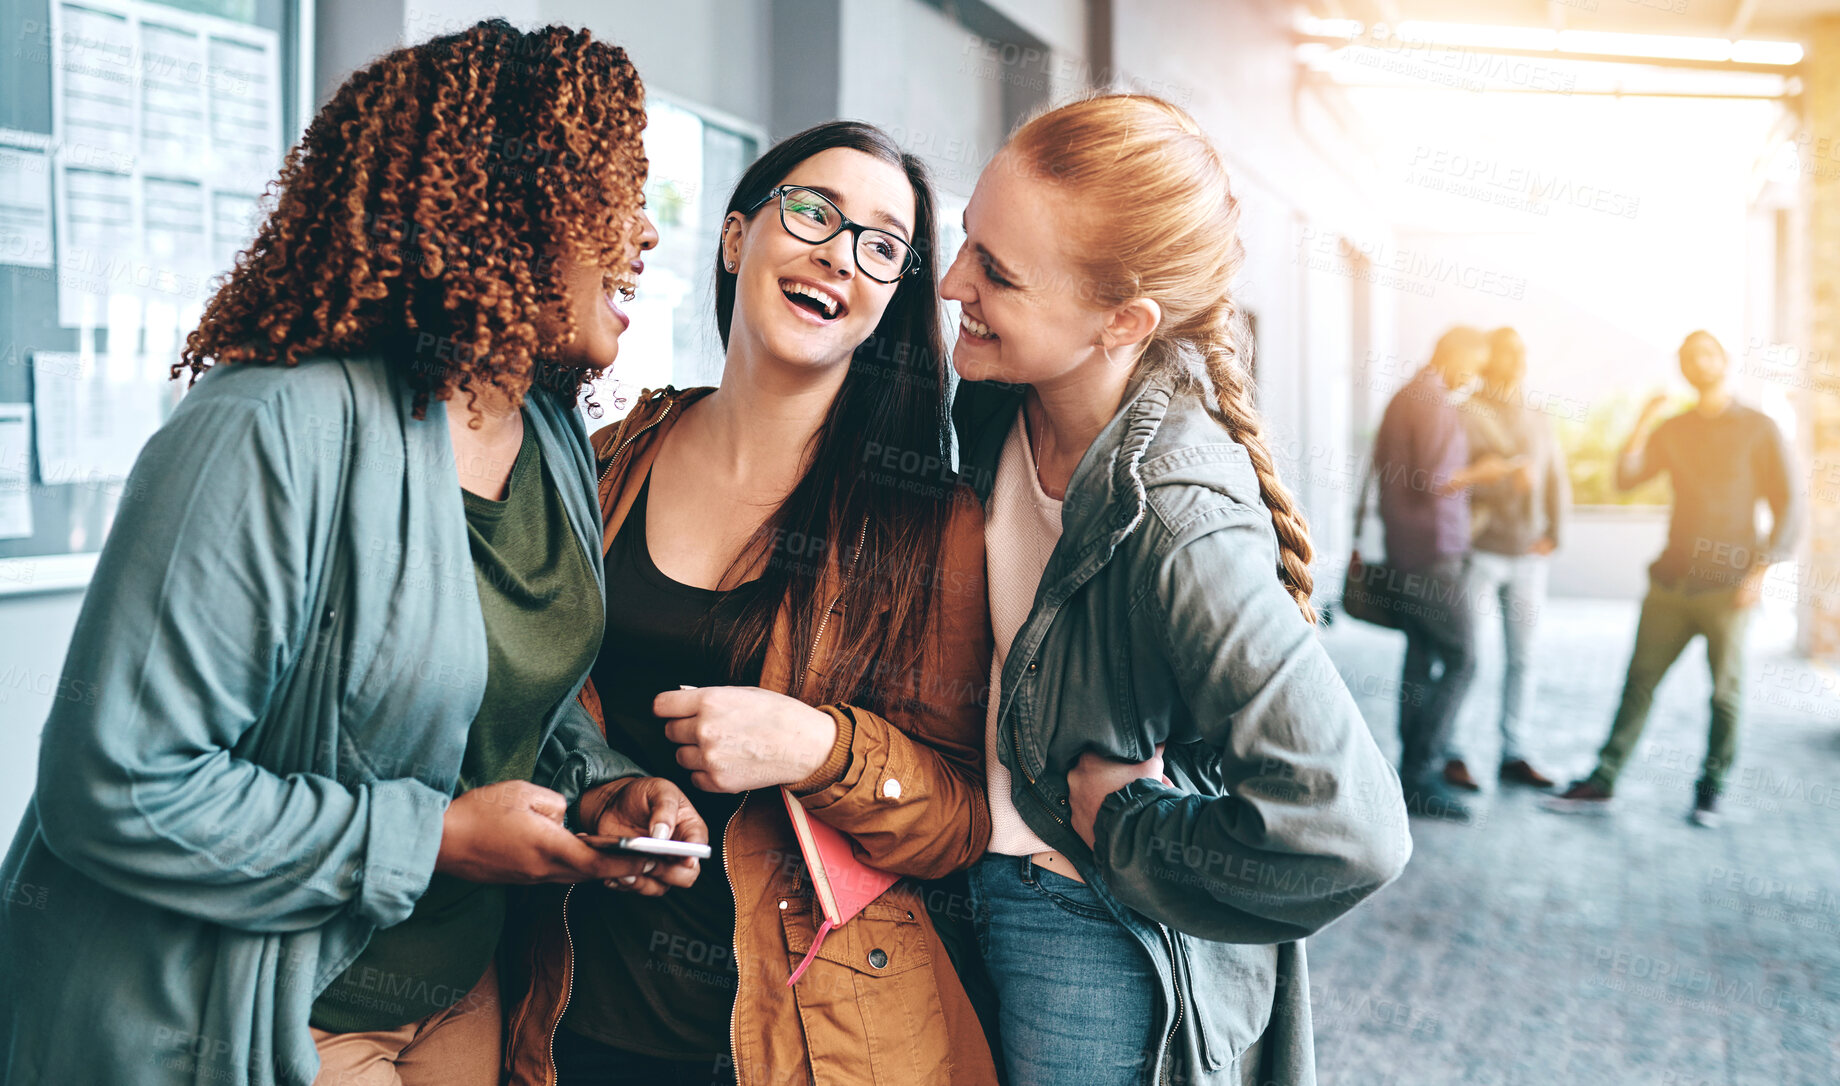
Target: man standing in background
{"points": [[1421, 455], [1515, 524], [1723, 458]]}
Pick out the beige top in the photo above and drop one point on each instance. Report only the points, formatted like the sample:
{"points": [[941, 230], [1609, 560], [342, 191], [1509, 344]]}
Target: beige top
{"points": [[1021, 526]]}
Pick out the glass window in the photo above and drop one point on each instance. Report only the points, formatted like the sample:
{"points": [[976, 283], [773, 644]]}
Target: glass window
{"points": [[695, 163]]}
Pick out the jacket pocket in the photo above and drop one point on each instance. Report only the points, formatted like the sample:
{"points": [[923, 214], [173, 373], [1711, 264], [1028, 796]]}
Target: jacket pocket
{"points": [[1231, 987], [870, 1002]]}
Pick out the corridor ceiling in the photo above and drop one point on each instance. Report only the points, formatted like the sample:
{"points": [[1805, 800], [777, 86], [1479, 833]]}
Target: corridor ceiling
{"points": [[1736, 19]]}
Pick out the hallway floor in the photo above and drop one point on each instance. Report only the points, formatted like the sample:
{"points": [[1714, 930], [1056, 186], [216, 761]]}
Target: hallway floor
{"points": [[1631, 949]]}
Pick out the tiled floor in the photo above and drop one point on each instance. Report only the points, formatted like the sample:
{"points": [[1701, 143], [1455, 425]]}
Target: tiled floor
{"points": [[1533, 948]]}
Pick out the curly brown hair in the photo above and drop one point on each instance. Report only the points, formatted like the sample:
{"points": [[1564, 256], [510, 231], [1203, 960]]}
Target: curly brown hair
{"points": [[423, 215]]}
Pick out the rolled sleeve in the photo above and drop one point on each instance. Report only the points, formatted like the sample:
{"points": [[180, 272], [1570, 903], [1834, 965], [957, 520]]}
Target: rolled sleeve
{"points": [[405, 819]]}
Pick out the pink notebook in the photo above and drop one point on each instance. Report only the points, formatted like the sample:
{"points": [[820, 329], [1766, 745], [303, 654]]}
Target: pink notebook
{"points": [[843, 883]]}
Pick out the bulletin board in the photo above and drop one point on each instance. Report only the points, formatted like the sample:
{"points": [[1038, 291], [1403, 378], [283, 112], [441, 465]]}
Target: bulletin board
{"points": [[136, 140]]}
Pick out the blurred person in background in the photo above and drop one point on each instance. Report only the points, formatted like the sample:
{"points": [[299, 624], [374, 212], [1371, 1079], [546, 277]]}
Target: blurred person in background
{"points": [[1422, 458], [1723, 458], [1515, 524]]}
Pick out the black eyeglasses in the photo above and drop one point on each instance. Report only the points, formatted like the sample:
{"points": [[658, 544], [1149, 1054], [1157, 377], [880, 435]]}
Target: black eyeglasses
{"points": [[810, 217]]}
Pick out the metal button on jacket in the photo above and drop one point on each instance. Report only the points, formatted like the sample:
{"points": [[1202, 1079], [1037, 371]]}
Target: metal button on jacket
{"points": [[878, 958], [891, 788]]}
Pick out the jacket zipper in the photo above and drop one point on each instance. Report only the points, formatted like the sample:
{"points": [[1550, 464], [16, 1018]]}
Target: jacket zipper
{"points": [[734, 1014], [1015, 739], [734, 950], [669, 403], [1175, 985], [568, 992]]}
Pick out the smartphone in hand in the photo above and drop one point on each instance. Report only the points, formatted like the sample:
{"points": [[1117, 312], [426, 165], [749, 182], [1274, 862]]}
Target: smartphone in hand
{"points": [[649, 846]]}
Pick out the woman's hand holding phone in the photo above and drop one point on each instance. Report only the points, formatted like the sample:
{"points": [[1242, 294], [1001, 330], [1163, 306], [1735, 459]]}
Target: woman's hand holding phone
{"points": [[645, 807], [514, 832]]}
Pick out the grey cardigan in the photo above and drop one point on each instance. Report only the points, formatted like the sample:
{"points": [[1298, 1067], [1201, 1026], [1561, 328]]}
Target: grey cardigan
{"points": [[1160, 619], [1503, 518], [270, 688]]}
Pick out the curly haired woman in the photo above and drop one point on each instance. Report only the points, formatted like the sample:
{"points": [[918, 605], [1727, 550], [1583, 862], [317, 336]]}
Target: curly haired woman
{"points": [[335, 636]]}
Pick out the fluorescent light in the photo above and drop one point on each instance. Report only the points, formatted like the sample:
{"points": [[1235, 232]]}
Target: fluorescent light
{"points": [[1766, 52], [1542, 40], [1663, 46], [1475, 35], [1349, 29]]}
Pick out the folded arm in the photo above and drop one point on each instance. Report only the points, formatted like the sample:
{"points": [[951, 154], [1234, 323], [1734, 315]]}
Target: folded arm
{"points": [[908, 786], [1311, 821]]}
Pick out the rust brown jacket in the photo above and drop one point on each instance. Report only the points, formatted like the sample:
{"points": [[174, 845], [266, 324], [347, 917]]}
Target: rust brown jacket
{"points": [[882, 1003]]}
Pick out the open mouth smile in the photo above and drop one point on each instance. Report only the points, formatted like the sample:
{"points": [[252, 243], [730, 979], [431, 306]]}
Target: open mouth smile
{"points": [[817, 302]]}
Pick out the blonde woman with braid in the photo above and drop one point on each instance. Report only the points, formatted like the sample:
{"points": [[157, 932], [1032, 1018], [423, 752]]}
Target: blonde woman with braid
{"points": [[1181, 787]]}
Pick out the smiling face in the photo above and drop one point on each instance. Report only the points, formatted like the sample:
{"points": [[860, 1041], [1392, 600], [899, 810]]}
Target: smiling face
{"points": [[1024, 316], [805, 304], [588, 292]]}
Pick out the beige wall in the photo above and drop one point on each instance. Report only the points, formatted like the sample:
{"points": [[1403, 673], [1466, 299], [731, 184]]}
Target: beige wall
{"points": [[1822, 636]]}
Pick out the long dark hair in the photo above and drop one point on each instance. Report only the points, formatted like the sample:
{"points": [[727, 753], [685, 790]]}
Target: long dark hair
{"points": [[878, 467]]}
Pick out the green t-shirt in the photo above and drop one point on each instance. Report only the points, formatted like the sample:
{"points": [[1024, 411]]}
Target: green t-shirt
{"points": [[543, 628]]}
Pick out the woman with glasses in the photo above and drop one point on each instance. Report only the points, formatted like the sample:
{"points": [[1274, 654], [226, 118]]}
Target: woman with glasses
{"points": [[795, 597], [1181, 788]]}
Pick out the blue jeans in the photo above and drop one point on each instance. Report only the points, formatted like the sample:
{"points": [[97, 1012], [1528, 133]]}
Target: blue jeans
{"points": [[1077, 994], [1514, 585], [1440, 634]]}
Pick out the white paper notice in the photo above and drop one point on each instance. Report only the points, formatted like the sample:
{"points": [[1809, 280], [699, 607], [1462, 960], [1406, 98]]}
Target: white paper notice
{"points": [[98, 249], [96, 62], [25, 199], [89, 427], [245, 108], [15, 470], [176, 244], [173, 129], [167, 124], [234, 221]]}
